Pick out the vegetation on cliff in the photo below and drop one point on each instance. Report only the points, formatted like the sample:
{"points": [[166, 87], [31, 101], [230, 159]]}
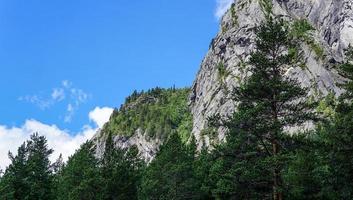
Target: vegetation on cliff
{"points": [[156, 112]]}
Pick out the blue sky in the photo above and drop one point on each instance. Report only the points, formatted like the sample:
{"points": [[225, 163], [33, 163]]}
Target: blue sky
{"points": [[62, 59]]}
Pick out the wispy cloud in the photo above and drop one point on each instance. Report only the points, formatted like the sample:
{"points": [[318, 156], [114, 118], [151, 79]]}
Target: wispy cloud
{"points": [[66, 92], [70, 111], [58, 94], [37, 100], [62, 141], [222, 7], [77, 97], [66, 84]]}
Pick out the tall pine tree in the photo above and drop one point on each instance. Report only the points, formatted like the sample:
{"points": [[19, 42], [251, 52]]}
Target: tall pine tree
{"points": [[269, 102]]}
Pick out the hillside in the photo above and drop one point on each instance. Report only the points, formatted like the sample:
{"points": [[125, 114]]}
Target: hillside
{"points": [[147, 119]]}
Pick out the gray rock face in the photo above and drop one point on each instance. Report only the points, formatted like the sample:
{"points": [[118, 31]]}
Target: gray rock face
{"points": [[333, 23], [147, 147]]}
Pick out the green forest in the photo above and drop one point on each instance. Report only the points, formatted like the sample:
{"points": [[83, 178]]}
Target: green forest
{"points": [[260, 159]]}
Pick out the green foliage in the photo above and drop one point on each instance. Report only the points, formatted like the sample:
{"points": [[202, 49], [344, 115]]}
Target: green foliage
{"points": [[157, 112], [337, 136], [234, 20], [29, 176], [223, 73], [239, 170], [80, 178], [327, 106], [306, 173], [211, 132], [120, 171], [224, 29], [242, 4], [206, 180], [115, 176], [317, 48], [266, 6], [301, 28], [346, 69], [302, 65], [170, 175], [185, 127], [234, 15], [293, 52], [253, 159], [299, 31]]}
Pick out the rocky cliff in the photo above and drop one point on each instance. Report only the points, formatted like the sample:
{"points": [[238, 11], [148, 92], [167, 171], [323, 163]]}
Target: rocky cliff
{"points": [[324, 29], [320, 51]]}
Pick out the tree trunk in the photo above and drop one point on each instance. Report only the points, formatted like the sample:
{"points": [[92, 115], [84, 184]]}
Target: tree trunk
{"points": [[277, 182]]}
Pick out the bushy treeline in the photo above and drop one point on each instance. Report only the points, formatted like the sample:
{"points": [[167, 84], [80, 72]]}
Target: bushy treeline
{"points": [[259, 160], [157, 112], [31, 175]]}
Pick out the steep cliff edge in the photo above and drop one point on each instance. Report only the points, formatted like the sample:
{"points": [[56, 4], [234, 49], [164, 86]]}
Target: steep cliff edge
{"points": [[326, 28], [323, 29]]}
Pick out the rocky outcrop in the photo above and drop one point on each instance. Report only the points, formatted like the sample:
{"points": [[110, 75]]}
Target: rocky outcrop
{"points": [[230, 49], [147, 147]]}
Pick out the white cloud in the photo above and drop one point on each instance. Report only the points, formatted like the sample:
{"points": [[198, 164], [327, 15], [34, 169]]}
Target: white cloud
{"points": [[62, 141], [222, 7], [73, 96], [78, 95], [100, 115], [58, 94], [66, 83], [70, 110], [37, 100]]}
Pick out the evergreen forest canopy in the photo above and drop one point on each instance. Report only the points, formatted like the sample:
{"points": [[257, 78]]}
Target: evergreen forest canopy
{"points": [[257, 161]]}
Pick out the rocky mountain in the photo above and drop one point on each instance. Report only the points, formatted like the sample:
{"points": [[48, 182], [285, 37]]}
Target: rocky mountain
{"points": [[323, 30]]}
